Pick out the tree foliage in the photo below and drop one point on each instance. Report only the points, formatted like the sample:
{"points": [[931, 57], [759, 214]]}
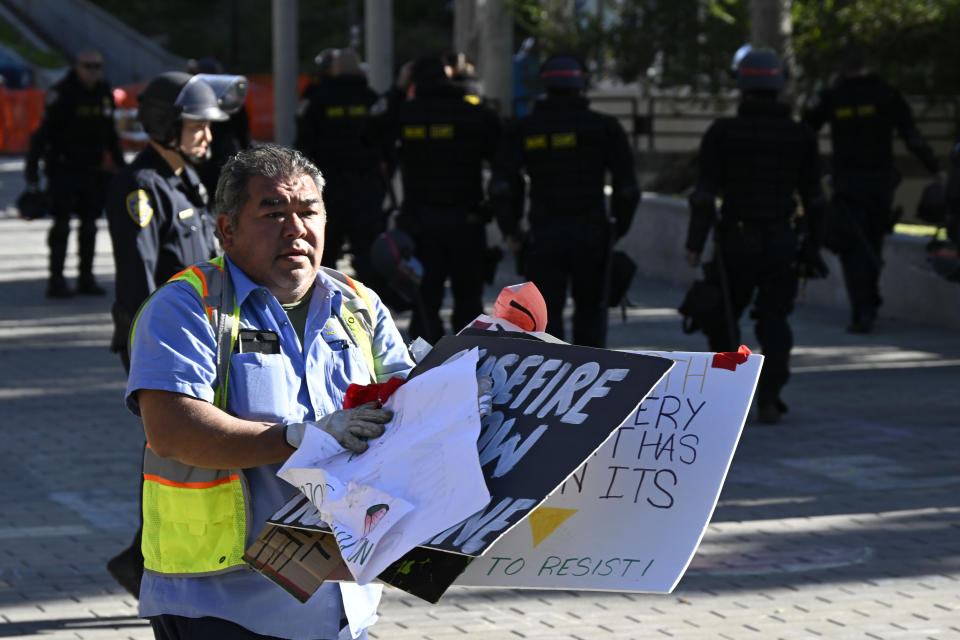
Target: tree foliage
{"points": [[911, 42], [691, 42]]}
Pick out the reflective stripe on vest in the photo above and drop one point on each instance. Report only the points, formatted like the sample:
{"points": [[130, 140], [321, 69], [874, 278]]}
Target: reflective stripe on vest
{"points": [[195, 520], [356, 308]]}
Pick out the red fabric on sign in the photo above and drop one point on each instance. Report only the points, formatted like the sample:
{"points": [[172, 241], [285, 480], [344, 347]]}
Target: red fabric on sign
{"points": [[730, 359], [358, 394]]}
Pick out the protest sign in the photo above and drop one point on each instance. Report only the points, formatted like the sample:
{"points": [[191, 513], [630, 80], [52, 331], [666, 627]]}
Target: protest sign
{"points": [[553, 406], [631, 517]]}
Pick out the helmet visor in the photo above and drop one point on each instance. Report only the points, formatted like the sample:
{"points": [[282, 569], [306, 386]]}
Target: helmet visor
{"points": [[230, 91], [197, 101]]}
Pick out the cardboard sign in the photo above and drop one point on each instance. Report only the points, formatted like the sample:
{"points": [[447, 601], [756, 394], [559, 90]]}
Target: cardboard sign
{"points": [[426, 573], [298, 560], [633, 515]]}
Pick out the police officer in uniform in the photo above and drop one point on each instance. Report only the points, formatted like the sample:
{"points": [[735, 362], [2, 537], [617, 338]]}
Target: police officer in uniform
{"points": [[76, 132], [159, 220], [157, 207], [444, 140], [756, 162], [334, 132], [863, 112], [567, 150]]}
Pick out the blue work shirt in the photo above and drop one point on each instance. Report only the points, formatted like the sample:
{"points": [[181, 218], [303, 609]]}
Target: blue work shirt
{"points": [[174, 349]]}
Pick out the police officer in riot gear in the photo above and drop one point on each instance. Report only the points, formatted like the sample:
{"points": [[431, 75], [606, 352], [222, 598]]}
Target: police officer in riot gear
{"points": [[863, 112], [756, 162], [333, 131], [158, 215], [567, 150], [443, 141], [157, 206], [77, 130]]}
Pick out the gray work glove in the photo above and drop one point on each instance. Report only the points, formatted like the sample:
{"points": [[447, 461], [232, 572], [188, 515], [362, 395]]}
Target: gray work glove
{"points": [[349, 427], [485, 395]]}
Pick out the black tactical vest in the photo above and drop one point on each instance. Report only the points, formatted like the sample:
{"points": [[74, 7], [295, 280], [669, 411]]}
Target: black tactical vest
{"points": [[334, 129], [565, 147], [443, 140], [761, 153]]}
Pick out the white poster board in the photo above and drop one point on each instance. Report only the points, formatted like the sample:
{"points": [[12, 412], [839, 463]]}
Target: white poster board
{"points": [[631, 517], [420, 477]]}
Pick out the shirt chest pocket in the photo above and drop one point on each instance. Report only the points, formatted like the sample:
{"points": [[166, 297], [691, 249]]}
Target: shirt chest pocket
{"points": [[259, 386], [192, 235], [186, 223]]}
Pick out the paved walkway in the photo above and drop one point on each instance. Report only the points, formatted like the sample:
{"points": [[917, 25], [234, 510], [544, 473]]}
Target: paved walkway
{"points": [[842, 522]]}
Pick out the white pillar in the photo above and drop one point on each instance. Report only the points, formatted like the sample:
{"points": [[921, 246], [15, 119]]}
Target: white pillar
{"points": [[378, 40], [496, 51], [285, 70]]}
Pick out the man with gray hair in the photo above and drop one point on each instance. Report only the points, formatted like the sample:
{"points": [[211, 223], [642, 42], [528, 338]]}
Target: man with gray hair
{"points": [[289, 336]]}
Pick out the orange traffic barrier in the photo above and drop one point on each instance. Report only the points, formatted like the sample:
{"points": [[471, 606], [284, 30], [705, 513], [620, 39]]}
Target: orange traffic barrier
{"points": [[21, 111]]}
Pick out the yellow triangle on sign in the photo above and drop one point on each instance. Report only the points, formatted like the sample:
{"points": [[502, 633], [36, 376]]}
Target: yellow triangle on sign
{"points": [[545, 520]]}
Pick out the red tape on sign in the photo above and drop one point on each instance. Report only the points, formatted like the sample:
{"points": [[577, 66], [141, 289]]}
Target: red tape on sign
{"points": [[730, 359]]}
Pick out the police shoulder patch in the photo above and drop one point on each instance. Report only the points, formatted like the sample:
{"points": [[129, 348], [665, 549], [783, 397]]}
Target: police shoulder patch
{"points": [[139, 207]]}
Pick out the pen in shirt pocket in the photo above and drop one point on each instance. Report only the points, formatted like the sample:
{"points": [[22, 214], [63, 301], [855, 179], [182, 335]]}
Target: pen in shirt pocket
{"points": [[339, 345]]}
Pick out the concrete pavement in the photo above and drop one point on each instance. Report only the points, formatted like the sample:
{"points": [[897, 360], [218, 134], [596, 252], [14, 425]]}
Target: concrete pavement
{"points": [[841, 522]]}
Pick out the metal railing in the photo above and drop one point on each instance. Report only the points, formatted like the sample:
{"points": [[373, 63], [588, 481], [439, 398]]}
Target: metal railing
{"points": [[680, 121]]}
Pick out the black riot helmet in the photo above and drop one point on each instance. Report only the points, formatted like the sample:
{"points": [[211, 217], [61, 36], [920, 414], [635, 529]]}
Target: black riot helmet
{"points": [[324, 62], [171, 98], [428, 71], [563, 72], [760, 70]]}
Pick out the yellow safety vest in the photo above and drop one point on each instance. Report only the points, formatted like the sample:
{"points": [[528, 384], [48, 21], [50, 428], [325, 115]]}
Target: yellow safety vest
{"points": [[195, 520]]}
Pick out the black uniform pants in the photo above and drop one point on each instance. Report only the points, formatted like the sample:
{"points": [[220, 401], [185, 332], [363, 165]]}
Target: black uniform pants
{"points": [[80, 192], [858, 219], [448, 246], [759, 266], [571, 254], [354, 203], [168, 627]]}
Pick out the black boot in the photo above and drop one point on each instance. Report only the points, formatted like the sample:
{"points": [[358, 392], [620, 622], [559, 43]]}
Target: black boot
{"points": [[127, 566], [87, 285], [57, 241], [863, 321], [57, 288], [768, 413]]}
